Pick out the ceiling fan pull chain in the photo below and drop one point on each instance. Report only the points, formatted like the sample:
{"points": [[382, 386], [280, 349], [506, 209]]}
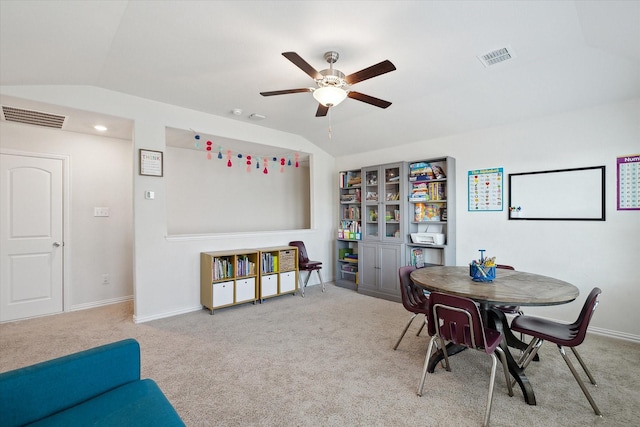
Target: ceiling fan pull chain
{"points": [[329, 123]]}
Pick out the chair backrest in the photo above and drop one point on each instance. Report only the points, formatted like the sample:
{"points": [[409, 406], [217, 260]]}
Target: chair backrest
{"points": [[456, 319], [413, 297], [579, 327], [303, 258]]}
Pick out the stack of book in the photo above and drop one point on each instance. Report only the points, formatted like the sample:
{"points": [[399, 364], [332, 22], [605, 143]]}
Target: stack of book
{"points": [[422, 171], [417, 258], [422, 191], [222, 268], [246, 267], [269, 262]]}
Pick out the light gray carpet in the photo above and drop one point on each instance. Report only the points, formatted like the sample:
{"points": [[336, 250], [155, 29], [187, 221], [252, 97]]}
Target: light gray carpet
{"points": [[327, 360]]}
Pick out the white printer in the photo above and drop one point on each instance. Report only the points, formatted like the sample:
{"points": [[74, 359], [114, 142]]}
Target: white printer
{"points": [[432, 235], [428, 238]]}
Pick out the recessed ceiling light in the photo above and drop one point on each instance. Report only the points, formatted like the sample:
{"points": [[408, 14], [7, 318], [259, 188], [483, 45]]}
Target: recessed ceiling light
{"points": [[100, 128]]}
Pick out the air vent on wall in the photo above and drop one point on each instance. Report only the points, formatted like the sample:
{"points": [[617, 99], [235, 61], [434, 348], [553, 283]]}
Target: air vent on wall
{"points": [[30, 117], [496, 56]]}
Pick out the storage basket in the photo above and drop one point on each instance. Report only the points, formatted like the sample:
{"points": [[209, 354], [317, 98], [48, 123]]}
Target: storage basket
{"points": [[288, 260], [481, 273]]}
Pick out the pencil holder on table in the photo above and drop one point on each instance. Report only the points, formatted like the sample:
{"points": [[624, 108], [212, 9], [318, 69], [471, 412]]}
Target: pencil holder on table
{"points": [[480, 273]]}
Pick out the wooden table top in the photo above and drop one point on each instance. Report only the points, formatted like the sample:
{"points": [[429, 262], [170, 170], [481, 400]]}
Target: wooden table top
{"points": [[509, 288]]}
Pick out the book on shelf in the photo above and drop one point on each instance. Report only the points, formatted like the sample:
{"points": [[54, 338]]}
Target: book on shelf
{"points": [[352, 212], [417, 257], [350, 179], [269, 263], [222, 268], [426, 191], [245, 266]]}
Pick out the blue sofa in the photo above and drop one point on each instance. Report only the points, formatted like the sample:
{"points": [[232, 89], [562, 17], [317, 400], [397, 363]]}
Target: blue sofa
{"points": [[98, 387]]}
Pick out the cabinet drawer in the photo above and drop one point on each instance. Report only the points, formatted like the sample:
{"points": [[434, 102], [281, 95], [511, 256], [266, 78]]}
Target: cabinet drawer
{"points": [[222, 294], [246, 289], [287, 281], [269, 285]]}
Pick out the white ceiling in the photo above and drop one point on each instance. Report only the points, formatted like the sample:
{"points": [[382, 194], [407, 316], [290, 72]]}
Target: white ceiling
{"points": [[214, 56]]}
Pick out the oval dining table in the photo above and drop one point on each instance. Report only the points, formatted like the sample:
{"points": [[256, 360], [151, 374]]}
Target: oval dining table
{"points": [[510, 287]]}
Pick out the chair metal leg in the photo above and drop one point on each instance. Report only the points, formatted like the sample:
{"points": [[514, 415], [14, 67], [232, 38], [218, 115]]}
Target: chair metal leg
{"points": [[586, 370], [404, 331], [492, 381], [580, 383], [426, 364], [443, 346], [503, 360], [304, 285], [319, 277], [530, 353], [422, 326]]}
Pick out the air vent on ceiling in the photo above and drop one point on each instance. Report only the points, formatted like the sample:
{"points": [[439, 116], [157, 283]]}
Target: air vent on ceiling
{"points": [[30, 117], [496, 56]]}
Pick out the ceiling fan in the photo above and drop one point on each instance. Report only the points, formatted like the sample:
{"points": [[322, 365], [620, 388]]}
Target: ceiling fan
{"points": [[333, 85]]}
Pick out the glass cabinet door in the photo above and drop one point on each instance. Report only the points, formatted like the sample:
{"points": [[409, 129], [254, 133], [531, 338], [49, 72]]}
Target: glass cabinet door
{"points": [[372, 202], [392, 204]]}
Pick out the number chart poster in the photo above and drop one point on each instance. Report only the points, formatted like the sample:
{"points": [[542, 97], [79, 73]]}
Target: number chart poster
{"points": [[486, 190], [628, 182]]}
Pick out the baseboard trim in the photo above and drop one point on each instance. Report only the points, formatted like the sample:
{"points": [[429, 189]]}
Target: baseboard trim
{"points": [[615, 334], [143, 319], [102, 303]]}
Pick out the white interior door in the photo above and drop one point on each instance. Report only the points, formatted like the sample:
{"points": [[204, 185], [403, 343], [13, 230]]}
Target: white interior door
{"points": [[31, 245]]}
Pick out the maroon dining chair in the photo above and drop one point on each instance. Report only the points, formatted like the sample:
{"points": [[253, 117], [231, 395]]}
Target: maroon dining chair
{"points": [[304, 264], [563, 335], [457, 320], [413, 299]]}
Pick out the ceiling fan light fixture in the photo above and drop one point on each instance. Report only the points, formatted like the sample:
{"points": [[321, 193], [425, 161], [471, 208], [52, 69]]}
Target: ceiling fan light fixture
{"points": [[329, 96]]}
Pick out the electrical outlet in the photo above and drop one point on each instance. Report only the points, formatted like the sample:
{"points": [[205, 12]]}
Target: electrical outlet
{"points": [[101, 211], [105, 279]]}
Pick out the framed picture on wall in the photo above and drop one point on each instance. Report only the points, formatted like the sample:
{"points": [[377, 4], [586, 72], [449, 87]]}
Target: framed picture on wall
{"points": [[150, 162]]}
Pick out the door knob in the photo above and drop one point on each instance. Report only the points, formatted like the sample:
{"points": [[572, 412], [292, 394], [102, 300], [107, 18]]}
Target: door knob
{"points": [[56, 244]]}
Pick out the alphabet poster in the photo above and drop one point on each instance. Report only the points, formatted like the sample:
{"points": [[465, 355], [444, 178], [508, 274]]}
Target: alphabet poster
{"points": [[628, 182], [486, 190]]}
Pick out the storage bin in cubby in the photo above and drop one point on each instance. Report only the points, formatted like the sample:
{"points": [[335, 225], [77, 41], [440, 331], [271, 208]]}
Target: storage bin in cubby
{"points": [[288, 260]]}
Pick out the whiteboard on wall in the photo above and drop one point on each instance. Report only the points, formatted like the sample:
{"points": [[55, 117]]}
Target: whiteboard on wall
{"points": [[566, 194]]}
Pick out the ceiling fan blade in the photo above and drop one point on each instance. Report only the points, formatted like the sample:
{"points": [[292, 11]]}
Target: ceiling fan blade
{"points": [[369, 99], [322, 110], [302, 64], [286, 91], [373, 71]]}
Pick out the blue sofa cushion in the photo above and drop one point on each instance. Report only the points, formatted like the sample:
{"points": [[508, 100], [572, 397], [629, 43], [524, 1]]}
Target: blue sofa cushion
{"points": [[36, 391], [139, 404]]}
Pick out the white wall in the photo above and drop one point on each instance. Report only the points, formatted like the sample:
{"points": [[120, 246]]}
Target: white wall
{"points": [[206, 196], [585, 253], [166, 270], [100, 176]]}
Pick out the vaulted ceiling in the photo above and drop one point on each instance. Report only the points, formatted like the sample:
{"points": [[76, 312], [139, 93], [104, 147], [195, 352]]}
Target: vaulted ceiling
{"points": [[217, 56]]}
